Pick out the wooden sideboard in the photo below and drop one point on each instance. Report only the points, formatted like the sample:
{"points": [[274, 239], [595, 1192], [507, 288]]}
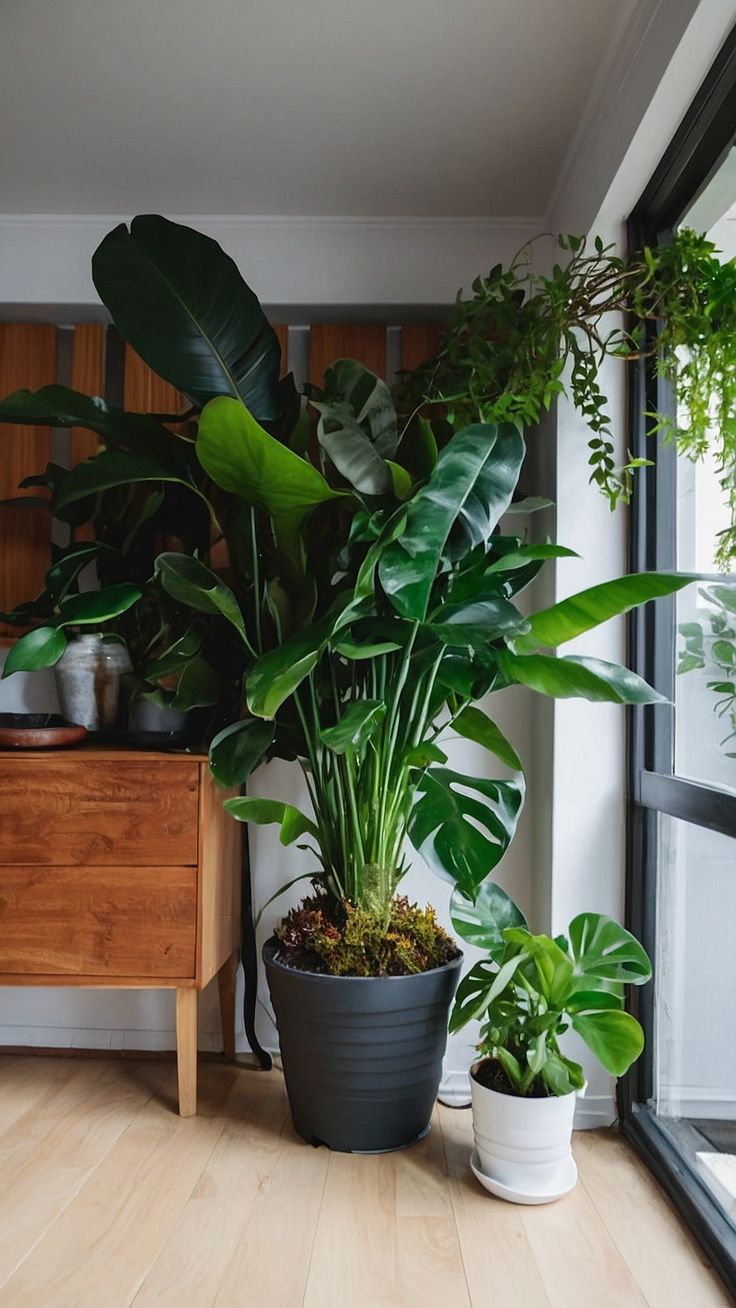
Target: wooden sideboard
{"points": [[119, 867]]}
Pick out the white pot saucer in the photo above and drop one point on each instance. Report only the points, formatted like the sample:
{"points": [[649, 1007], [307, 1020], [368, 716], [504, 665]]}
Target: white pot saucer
{"points": [[564, 1184]]}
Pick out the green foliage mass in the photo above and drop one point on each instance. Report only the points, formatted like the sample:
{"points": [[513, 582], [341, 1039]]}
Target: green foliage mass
{"points": [[524, 337]]}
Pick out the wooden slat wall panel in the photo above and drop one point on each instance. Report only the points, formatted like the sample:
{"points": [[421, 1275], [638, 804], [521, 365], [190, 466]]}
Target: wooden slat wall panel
{"points": [[88, 376], [145, 392], [419, 340], [330, 341], [283, 334], [27, 359]]}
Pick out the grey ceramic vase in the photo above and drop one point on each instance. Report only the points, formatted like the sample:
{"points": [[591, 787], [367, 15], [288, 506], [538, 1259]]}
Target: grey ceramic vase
{"points": [[88, 680]]}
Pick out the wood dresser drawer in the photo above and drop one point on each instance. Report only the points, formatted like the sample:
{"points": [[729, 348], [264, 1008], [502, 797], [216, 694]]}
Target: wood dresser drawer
{"points": [[98, 812], [98, 921]]}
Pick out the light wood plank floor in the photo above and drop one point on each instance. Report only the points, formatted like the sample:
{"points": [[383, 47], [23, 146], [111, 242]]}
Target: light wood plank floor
{"points": [[109, 1199]]}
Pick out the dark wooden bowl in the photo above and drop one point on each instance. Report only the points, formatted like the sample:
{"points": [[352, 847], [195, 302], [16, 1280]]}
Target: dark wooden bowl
{"points": [[38, 731]]}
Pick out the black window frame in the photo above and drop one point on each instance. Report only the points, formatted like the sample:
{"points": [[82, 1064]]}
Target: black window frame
{"points": [[699, 147]]}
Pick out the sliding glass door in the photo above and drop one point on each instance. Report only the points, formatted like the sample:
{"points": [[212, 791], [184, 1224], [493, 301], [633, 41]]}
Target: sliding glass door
{"points": [[679, 1106]]}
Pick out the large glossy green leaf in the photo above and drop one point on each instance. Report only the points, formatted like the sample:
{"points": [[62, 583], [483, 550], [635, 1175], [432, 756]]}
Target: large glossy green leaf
{"points": [[139, 432], [462, 826], [92, 606], [615, 1038], [474, 624], [182, 304], [192, 583], [357, 724], [482, 923], [107, 469], [468, 491], [40, 648], [238, 749], [601, 948], [278, 673], [266, 812], [589, 608], [357, 426], [352, 453], [577, 678], [241, 457], [474, 724], [199, 685], [350, 389], [525, 554]]}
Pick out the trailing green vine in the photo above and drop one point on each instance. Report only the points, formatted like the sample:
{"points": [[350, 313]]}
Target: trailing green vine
{"points": [[522, 338]]}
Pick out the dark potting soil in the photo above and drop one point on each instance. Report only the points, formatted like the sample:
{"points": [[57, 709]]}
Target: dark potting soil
{"points": [[491, 1075]]}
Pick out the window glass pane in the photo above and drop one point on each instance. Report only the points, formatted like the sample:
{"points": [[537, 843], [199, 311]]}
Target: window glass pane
{"points": [[695, 979], [705, 691]]}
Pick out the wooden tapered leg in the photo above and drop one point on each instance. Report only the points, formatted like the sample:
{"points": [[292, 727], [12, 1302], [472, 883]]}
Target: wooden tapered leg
{"points": [[226, 986], [186, 1051]]}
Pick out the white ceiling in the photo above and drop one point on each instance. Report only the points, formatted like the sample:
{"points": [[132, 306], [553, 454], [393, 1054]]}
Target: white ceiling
{"points": [[340, 107]]}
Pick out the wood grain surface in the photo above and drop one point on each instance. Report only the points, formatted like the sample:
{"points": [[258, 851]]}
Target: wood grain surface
{"points": [[27, 360], [99, 921], [109, 1200], [67, 809], [331, 341]]}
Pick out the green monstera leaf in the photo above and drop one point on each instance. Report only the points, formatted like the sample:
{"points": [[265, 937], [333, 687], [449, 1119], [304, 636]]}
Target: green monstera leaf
{"points": [[462, 826]]}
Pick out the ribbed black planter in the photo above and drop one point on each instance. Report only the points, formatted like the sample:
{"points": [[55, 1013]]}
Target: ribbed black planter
{"points": [[362, 1055]]}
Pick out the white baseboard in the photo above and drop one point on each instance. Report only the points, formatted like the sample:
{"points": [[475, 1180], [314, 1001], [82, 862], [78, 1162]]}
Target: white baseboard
{"points": [[594, 1111], [455, 1088]]}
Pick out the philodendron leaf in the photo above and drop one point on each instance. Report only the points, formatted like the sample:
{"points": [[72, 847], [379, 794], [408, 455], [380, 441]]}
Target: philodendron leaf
{"points": [[241, 457], [462, 826], [351, 388], [468, 491], [278, 673], [482, 923], [192, 583], [615, 1038], [92, 606], [356, 726], [603, 949], [238, 749], [107, 469], [474, 724], [475, 624], [589, 608], [44, 646], [40, 648], [577, 678], [266, 812], [140, 433], [352, 453], [180, 301], [525, 554]]}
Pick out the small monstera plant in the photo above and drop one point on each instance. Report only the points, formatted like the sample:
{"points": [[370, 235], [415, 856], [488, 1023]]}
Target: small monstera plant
{"points": [[532, 989]]}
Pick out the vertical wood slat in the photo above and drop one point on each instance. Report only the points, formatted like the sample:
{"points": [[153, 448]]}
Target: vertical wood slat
{"points": [[282, 332], [145, 391], [419, 341], [27, 359], [330, 341], [88, 376]]}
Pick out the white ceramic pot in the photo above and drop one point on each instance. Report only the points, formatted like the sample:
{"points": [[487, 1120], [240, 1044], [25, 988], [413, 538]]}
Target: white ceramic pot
{"points": [[88, 680], [523, 1144]]}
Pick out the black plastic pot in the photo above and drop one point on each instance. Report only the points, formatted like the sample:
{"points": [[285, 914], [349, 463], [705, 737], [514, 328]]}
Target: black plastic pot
{"points": [[362, 1056]]}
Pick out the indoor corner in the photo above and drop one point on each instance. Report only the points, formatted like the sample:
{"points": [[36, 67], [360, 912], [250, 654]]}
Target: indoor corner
{"points": [[368, 654]]}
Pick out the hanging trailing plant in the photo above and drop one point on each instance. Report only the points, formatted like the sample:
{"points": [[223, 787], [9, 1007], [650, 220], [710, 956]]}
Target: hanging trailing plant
{"points": [[523, 337]]}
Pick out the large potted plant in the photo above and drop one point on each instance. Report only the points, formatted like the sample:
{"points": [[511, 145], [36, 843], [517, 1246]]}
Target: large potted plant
{"points": [[369, 603], [528, 992]]}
